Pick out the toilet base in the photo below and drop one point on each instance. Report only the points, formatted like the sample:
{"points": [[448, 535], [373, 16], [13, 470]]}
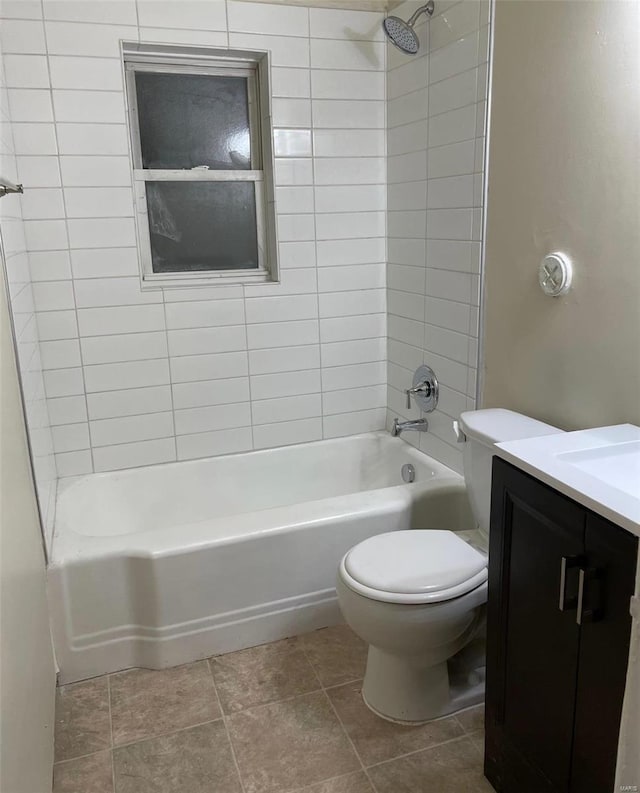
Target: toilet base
{"points": [[402, 693]]}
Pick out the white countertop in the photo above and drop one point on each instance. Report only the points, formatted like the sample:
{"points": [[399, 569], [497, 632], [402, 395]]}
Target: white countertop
{"points": [[598, 468]]}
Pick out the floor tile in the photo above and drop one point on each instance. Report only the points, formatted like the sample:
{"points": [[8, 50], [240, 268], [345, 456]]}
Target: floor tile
{"points": [[352, 783], [91, 774], [263, 674], [472, 720], [454, 767], [337, 654], [377, 740], [290, 744], [82, 719], [197, 760], [146, 703]]}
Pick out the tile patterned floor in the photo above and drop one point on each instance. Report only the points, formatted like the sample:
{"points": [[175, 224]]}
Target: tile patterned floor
{"points": [[280, 718]]}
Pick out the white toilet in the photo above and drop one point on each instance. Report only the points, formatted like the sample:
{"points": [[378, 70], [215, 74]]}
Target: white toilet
{"points": [[418, 597]]}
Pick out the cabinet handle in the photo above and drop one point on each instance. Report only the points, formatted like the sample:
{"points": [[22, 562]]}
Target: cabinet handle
{"points": [[567, 563], [590, 579]]}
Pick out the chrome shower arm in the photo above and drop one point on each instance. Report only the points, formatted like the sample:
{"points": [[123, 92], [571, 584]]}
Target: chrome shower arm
{"points": [[425, 9]]}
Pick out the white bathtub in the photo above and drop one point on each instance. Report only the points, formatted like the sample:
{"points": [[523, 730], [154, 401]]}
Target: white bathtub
{"points": [[166, 564]]}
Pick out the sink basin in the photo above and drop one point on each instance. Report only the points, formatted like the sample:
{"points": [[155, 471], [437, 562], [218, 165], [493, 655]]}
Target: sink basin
{"points": [[617, 465], [599, 468]]}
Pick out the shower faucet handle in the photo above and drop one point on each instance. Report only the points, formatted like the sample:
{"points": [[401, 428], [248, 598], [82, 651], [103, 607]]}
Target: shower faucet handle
{"points": [[424, 389]]}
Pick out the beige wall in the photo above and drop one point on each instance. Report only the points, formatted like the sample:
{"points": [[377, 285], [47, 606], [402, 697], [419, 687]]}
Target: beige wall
{"points": [[564, 174], [27, 672]]}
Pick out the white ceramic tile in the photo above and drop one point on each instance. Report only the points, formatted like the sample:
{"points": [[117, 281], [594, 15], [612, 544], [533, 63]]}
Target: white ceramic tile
{"points": [[26, 71], [132, 455], [173, 36], [291, 112], [350, 170], [269, 386], [186, 14], [190, 368], [350, 225], [453, 126], [207, 444], [351, 277], [286, 51], [406, 278], [268, 18], [339, 329], [123, 347], [94, 202], [101, 11], [287, 432], [451, 192], [348, 143], [95, 171], [354, 376], [297, 255], [293, 171], [453, 255], [292, 142], [34, 139], [410, 76], [448, 314], [106, 107], [70, 38], [101, 233], [53, 295], [67, 410], [294, 199], [295, 228], [447, 342], [342, 304], [63, 382], [409, 196], [407, 138], [281, 309], [405, 330], [407, 167], [290, 83], [74, 463], [352, 423], [454, 92], [21, 9], [49, 265], [339, 84], [451, 160], [407, 108], [269, 411], [42, 235], [120, 319], [284, 359], [129, 402], [133, 374], [60, 354], [105, 432], [38, 171], [108, 262], [336, 23], [22, 36], [350, 198], [456, 22], [358, 251], [57, 325], [216, 417], [454, 58], [202, 314], [210, 392], [354, 399], [350, 352], [95, 139], [405, 304], [449, 285], [42, 203], [70, 437], [298, 281], [207, 340], [282, 334], [98, 74], [347, 55]]}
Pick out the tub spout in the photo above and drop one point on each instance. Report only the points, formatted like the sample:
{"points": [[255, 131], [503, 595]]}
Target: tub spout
{"points": [[420, 425]]}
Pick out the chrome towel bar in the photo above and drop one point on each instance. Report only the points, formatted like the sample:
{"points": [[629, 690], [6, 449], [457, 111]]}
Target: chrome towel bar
{"points": [[7, 187]]}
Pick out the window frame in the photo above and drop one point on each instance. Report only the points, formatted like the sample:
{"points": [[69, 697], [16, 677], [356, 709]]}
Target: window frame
{"points": [[254, 66]]}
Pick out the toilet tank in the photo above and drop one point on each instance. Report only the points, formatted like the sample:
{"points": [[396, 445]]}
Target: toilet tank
{"points": [[483, 429]]}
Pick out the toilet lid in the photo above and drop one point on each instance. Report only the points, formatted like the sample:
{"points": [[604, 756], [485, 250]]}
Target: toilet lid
{"points": [[415, 566]]}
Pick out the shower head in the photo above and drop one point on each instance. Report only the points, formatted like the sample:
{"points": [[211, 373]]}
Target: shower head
{"points": [[402, 34]]}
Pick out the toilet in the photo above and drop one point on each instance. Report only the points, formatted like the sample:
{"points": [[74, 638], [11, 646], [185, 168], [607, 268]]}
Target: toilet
{"points": [[418, 596]]}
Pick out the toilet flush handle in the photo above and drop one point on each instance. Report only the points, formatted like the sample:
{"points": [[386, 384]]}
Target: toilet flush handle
{"points": [[460, 436]]}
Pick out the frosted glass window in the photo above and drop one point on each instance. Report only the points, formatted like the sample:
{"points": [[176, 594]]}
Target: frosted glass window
{"points": [[196, 226], [193, 120]]}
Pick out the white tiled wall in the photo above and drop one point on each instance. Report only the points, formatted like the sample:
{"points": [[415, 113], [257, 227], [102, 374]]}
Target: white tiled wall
{"points": [[435, 137], [21, 297], [138, 377]]}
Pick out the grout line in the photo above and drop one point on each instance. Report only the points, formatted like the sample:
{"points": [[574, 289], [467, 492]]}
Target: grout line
{"points": [[226, 726]]}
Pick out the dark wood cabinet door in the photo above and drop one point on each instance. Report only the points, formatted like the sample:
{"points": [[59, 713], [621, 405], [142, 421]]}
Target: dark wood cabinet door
{"points": [[532, 645], [611, 555]]}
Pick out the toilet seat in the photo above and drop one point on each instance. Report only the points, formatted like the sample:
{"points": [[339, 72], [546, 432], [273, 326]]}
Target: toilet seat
{"points": [[413, 567]]}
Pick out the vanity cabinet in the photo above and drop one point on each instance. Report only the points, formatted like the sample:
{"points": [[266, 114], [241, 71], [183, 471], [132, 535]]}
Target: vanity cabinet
{"points": [[558, 626]]}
